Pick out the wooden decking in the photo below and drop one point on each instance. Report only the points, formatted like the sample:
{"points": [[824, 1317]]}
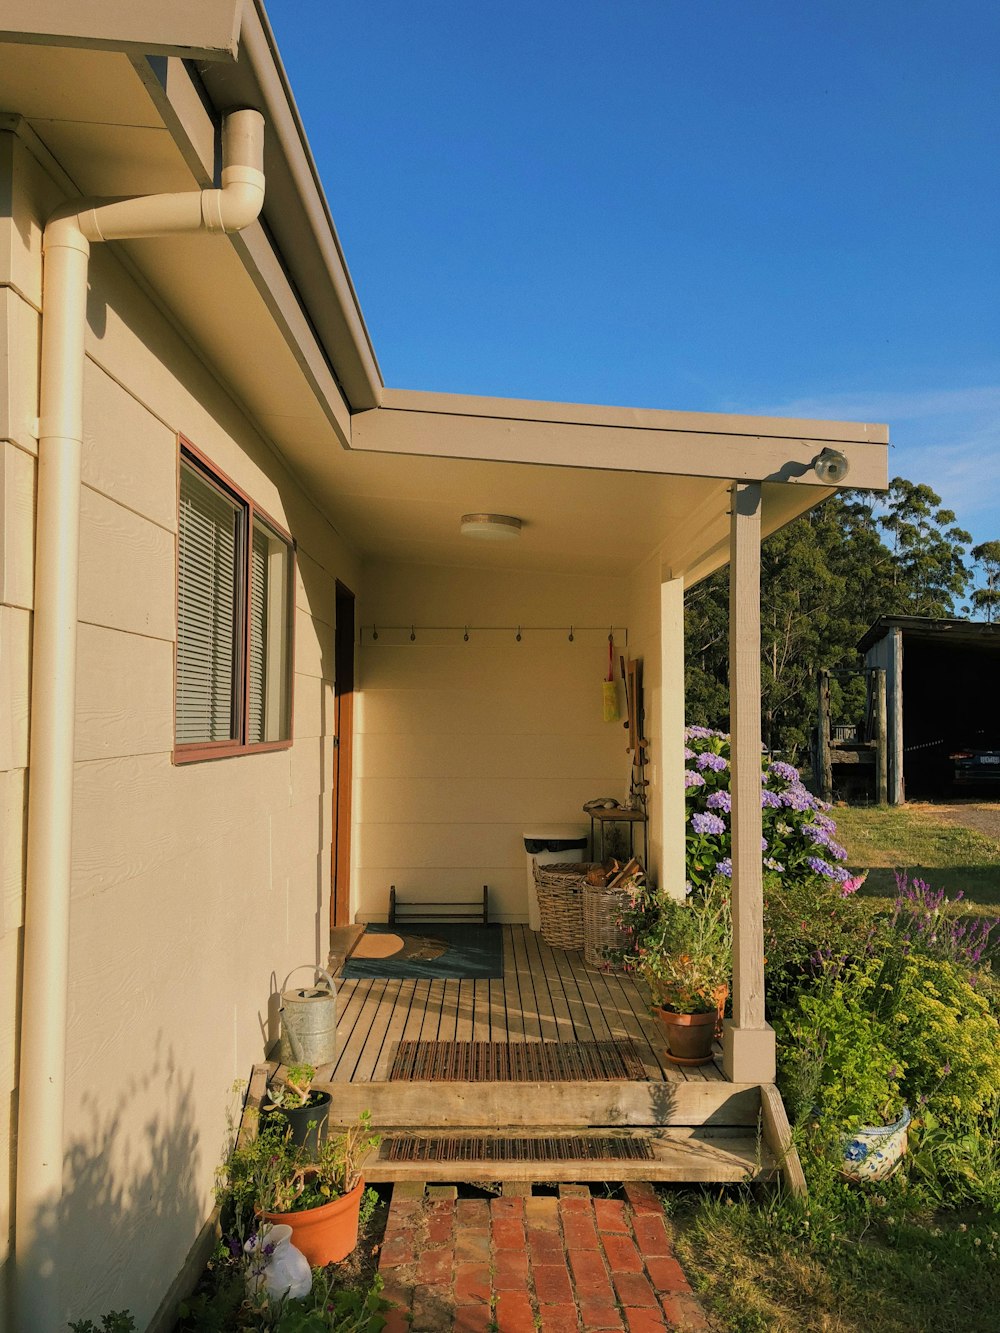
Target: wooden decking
{"points": [[545, 995], [692, 1124]]}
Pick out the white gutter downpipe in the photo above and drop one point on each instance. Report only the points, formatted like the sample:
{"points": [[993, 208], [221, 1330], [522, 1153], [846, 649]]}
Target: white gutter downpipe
{"points": [[44, 990]]}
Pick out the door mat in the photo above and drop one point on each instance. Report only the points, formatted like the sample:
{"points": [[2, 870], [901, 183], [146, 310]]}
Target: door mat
{"points": [[491, 1148], [516, 1062], [432, 952]]}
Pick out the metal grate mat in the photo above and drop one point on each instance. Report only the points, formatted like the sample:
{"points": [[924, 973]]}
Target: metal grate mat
{"points": [[490, 1148], [515, 1062]]}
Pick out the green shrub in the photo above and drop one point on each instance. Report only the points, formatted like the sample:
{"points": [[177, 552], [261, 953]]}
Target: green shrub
{"points": [[835, 1052], [947, 1038]]}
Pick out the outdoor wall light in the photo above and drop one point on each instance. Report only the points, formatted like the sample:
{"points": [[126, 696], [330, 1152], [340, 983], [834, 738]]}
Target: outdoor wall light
{"points": [[490, 527], [831, 466]]}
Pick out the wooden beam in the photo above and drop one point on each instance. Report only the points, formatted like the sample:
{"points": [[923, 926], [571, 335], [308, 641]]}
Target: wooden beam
{"points": [[673, 807], [687, 1155], [633, 440], [778, 1136], [894, 692], [540, 1105], [748, 1047], [881, 739]]}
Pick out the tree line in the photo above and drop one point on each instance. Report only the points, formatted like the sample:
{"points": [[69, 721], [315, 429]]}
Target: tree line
{"points": [[824, 579]]}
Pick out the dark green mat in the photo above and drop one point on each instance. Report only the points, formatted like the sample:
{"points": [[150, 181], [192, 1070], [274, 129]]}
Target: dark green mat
{"points": [[470, 952]]}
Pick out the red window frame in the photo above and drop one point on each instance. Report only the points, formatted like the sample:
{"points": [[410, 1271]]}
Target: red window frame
{"points": [[199, 751]]}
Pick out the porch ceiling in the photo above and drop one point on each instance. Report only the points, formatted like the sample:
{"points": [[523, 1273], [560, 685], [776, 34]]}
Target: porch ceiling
{"points": [[406, 509]]}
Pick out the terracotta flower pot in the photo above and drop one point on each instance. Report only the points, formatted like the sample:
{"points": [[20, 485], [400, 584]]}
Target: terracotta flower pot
{"points": [[689, 1036], [327, 1234]]}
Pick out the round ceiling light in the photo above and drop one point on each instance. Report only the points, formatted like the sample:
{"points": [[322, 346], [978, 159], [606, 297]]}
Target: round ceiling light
{"points": [[490, 527]]}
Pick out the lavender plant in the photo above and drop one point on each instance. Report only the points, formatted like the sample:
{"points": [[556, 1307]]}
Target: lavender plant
{"points": [[922, 921], [799, 840]]}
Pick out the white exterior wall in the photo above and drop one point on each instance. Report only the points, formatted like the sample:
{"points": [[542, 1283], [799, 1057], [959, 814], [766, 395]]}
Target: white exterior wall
{"points": [[462, 746], [194, 887]]}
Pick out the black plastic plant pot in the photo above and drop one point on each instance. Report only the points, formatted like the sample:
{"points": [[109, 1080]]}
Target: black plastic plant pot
{"points": [[307, 1123]]}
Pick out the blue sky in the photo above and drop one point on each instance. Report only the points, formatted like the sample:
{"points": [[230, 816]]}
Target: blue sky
{"points": [[779, 206]]}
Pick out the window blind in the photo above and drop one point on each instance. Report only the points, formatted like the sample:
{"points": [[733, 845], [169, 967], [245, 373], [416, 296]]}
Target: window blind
{"points": [[257, 663], [208, 600]]}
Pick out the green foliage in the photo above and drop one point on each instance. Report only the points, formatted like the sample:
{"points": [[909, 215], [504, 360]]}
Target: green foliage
{"points": [[947, 1038], [684, 950], [115, 1321], [866, 1036], [295, 1090], [986, 600], [269, 1173], [223, 1306], [836, 1058], [956, 1165]]}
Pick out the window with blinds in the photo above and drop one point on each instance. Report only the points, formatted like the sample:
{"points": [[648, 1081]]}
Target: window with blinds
{"points": [[234, 581]]}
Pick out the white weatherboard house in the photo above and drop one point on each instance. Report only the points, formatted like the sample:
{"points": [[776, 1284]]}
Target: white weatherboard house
{"points": [[210, 503]]}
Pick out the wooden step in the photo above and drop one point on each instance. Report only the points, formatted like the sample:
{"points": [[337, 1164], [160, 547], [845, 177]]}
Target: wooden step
{"points": [[692, 1155], [524, 1105]]}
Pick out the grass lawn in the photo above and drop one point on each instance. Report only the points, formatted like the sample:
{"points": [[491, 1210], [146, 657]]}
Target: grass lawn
{"points": [[758, 1271], [885, 838]]}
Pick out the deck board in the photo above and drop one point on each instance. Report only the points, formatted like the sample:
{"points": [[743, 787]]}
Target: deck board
{"points": [[545, 994]]}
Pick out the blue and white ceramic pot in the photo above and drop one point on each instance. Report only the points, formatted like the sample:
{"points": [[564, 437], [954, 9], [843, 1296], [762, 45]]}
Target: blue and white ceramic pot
{"points": [[874, 1151]]}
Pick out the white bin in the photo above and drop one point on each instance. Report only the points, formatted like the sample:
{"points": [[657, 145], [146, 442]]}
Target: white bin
{"points": [[549, 843]]}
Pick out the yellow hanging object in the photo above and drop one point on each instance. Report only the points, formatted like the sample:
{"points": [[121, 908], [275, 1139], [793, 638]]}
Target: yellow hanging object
{"points": [[609, 688], [610, 701]]}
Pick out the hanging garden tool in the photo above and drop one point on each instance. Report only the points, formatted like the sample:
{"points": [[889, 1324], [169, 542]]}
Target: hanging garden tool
{"points": [[609, 688]]}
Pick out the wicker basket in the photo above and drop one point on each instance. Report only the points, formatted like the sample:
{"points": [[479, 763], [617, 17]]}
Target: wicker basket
{"points": [[601, 932], [559, 890]]}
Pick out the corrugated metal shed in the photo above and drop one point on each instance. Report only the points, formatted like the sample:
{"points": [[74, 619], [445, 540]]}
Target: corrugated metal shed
{"points": [[942, 679]]}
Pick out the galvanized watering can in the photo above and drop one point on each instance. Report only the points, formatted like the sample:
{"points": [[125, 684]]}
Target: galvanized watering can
{"points": [[308, 1021]]}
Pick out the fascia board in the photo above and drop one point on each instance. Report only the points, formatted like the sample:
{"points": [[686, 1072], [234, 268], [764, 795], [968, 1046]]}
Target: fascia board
{"points": [[615, 439], [193, 29], [712, 423]]}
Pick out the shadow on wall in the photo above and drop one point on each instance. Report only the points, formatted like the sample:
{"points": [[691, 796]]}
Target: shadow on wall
{"points": [[130, 1209]]}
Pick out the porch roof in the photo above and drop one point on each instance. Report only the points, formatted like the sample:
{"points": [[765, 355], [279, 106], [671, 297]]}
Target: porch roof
{"points": [[599, 488]]}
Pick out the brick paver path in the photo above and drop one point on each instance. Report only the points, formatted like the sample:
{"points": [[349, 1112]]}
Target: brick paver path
{"points": [[532, 1265]]}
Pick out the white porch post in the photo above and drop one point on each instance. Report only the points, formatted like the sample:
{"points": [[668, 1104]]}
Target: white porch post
{"points": [[748, 1043], [671, 758]]}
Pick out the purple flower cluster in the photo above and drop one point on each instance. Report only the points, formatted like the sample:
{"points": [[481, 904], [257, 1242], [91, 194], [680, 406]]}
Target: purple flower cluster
{"points": [[820, 866], [706, 823], [797, 836], [716, 762], [797, 798]]}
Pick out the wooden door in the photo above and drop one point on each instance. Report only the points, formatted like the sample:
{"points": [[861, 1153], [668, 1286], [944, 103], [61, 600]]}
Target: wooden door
{"points": [[340, 898]]}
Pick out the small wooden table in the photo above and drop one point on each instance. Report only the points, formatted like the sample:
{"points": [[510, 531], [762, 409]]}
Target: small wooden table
{"points": [[619, 815]]}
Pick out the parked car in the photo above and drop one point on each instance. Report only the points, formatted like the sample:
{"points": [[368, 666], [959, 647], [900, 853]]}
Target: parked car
{"points": [[976, 765]]}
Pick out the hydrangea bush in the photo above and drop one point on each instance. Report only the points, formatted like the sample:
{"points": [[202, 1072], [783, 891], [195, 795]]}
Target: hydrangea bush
{"points": [[799, 836]]}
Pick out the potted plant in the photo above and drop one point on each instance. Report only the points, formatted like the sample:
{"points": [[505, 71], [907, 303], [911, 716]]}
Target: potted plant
{"points": [[271, 1178], [304, 1108], [685, 956]]}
